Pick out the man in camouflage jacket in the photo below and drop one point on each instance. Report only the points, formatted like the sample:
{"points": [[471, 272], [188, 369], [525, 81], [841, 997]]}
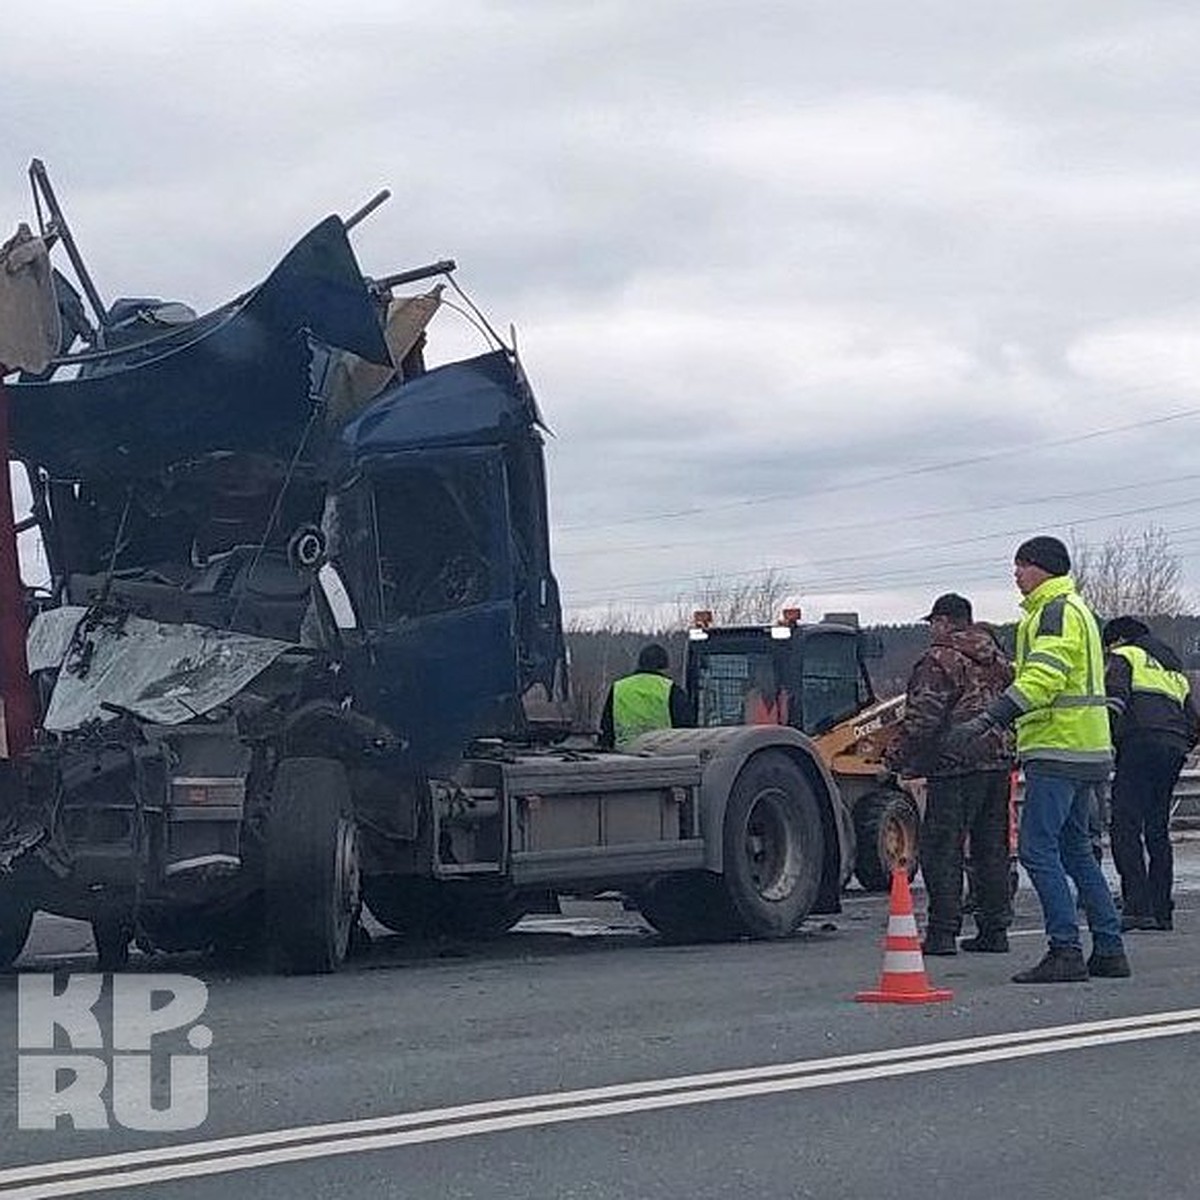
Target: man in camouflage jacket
{"points": [[957, 677]]}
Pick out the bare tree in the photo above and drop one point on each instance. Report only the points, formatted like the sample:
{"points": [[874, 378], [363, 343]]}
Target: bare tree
{"points": [[750, 600], [1133, 572]]}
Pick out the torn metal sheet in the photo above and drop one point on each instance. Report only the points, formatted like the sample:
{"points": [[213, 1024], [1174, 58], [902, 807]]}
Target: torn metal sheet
{"points": [[235, 379], [354, 381], [483, 400], [164, 673], [50, 635], [30, 329]]}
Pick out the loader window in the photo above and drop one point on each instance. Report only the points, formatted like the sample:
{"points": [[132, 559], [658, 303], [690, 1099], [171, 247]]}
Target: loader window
{"points": [[740, 689], [831, 681]]}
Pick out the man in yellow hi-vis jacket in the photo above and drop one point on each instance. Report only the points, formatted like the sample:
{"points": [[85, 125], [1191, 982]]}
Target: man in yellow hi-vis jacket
{"points": [[1057, 704]]}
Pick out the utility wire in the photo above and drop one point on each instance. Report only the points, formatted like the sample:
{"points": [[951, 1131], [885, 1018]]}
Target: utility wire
{"points": [[893, 476], [883, 522], [618, 592]]}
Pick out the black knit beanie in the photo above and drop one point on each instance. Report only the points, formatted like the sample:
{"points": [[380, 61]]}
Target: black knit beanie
{"points": [[1123, 629], [1045, 552]]}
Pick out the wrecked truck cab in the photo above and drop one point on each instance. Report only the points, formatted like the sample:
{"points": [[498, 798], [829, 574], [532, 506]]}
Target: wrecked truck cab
{"points": [[292, 572]]}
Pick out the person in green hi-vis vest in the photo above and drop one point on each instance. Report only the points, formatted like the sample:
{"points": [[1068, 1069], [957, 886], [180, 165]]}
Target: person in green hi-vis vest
{"points": [[645, 700]]}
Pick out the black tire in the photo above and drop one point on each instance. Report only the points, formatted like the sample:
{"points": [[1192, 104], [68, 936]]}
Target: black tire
{"points": [[428, 908], [15, 919], [313, 885], [774, 846], [238, 937], [885, 822], [691, 907], [479, 911], [112, 936]]}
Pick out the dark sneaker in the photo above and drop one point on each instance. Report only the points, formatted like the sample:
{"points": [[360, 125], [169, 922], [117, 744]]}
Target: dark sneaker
{"points": [[993, 942], [942, 945], [1061, 964], [1162, 924], [1109, 966]]}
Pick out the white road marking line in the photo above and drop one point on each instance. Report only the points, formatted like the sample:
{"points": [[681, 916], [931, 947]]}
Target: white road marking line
{"points": [[192, 1160]]}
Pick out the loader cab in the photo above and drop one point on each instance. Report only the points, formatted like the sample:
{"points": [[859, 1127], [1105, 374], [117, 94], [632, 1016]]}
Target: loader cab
{"points": [[809, 676]]}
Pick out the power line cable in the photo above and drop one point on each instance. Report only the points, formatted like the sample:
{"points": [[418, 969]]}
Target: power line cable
{"points": [[893, 476], [958, 573], [1141, 510], [872, 523]]}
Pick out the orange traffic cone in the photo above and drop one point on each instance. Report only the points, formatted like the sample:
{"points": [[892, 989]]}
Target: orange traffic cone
{"points": [[903, 980]]}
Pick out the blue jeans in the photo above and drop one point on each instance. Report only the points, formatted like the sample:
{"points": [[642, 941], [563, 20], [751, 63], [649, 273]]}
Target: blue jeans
{"points": [[1054, 843]]}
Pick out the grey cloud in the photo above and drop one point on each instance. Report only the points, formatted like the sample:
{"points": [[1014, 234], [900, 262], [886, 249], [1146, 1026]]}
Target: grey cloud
{"points": [[752, 251]]}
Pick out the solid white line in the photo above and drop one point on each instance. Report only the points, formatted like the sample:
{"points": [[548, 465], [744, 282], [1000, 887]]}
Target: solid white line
{"points": [[532, 1104], [586, 1111]]}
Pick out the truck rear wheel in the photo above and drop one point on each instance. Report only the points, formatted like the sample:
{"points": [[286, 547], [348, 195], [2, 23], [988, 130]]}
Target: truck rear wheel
{"points": [[691, 907], [886, 829], [15, 919], [774, 846], [313, 882]]}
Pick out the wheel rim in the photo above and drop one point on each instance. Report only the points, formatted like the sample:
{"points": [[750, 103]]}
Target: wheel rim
{"points": [[897, 840], [772, 846], [347, 882]]}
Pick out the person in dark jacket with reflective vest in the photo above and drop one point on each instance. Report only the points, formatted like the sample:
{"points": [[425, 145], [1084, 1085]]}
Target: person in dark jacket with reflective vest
{"points": [[643, 701], [957, 677], [1155, 724], [1058, 707]]}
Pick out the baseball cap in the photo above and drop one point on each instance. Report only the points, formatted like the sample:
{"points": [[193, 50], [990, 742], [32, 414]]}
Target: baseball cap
{"points": [[952, 605]]}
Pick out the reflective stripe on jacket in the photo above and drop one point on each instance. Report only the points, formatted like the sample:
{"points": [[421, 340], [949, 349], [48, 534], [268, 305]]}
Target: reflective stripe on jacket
{"points": [[1149, 699], [641, 702], [1059, 684], [1147, 674]]}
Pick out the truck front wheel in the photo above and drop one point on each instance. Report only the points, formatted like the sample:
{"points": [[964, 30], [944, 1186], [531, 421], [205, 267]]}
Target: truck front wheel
{"points": [[15, 919], [313, 883], [774, 846], [426, 908], [112, 935]]}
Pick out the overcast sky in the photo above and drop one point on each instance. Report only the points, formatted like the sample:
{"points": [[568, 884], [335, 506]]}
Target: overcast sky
{"points": [[867, 291]]}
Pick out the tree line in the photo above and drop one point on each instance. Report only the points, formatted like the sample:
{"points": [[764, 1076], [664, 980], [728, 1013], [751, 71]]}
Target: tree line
{"points": [[1130, 572]]}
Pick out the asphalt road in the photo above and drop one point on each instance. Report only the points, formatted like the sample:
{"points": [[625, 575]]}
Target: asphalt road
{"points": [[579, 1057]]}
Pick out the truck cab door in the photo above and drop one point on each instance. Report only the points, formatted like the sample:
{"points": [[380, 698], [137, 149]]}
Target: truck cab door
{"points": [[432, 579]]}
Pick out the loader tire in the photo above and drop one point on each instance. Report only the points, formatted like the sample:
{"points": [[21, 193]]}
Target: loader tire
{"points": [[313, 884], [886, 826], [774, 846]]}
